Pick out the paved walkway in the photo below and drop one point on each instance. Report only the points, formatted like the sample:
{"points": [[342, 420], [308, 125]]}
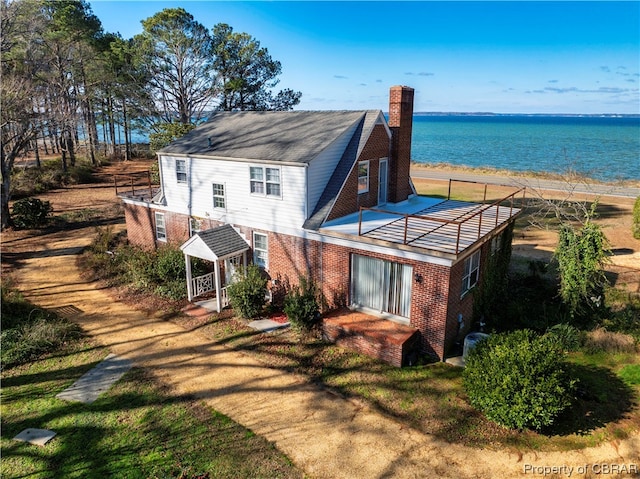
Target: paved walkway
{"points": [[325, 435]]}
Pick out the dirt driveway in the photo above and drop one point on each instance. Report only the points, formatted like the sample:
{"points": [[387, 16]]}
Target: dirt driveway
{"points": [[325, 435]]}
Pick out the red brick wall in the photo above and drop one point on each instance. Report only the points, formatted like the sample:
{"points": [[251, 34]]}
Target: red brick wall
{"points": [[291, 257], [429, 299], [462, 306], [401, 125], [140, 225], [349, 201]]}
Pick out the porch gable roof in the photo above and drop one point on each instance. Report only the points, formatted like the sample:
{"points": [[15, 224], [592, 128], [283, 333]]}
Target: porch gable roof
{"points": [[215, 244]]}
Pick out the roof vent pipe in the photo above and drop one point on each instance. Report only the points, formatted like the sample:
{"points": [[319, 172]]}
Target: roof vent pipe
{"points": [[209, 140]]}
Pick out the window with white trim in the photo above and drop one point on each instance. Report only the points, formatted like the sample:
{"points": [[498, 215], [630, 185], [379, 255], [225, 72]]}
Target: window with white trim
{"points": [[265, 181], [471, 272], [161, 230], [363, 177], [261, 250], [181, 171], [219, 200]]}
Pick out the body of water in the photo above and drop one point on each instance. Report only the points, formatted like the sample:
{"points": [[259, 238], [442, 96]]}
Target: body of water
{"points": [[604, 148]]}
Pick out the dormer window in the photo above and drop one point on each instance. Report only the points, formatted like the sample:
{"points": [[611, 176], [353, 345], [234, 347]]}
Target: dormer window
{"points": [[265, 181], [363, 177]]}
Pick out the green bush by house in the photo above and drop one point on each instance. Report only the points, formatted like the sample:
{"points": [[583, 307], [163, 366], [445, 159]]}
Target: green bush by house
{"points": [[301, 305], [247, 293], [518, 379]]}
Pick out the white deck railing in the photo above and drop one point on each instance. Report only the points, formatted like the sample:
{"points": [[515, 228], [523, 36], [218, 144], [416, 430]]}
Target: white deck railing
{"points": [[203, 284], [206, 284]]}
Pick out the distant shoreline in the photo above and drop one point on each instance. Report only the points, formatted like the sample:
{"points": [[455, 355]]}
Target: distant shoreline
{"points": [[487, 170]]}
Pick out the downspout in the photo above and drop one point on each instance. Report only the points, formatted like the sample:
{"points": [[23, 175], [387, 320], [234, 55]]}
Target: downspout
{"points": [[161, 175]]}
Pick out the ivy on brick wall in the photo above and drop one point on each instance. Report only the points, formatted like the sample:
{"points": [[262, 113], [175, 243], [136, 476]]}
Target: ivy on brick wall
{"points": [[494, 279]]}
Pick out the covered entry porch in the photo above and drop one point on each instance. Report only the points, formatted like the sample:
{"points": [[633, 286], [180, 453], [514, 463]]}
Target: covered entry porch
{"points": [[226, 249]]}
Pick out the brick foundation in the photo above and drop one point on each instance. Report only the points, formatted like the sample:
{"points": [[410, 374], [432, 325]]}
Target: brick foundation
{"points": [[393, 343]]}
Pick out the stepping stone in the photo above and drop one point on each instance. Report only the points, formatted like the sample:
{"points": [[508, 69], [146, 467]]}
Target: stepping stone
{"points": [[267, 325], [37, 437], [98, 380]]}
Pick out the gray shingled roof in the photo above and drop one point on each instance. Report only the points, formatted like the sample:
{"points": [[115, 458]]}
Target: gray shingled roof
{"points": [[287, 136], [223, 240], [340, 174]]}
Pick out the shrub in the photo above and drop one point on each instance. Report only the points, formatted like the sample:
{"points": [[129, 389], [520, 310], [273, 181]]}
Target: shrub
{"points": [[35, 338], [31, 213], [169, 264], [635, 228], [28, 331], [518, 380], [565, 336], [301, 305], [175, 289], [139, 266], [247, 292]]}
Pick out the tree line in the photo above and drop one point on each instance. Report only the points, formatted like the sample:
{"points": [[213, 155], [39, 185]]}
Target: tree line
{"points": [[66, 82]]}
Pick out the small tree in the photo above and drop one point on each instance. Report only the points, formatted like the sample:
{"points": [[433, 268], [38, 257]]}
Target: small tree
{"points": [[247, 292], [301, 305], [581, 254], [518, 379]]}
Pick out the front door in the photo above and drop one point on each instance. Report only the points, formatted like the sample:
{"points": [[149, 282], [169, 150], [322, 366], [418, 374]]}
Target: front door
{"points": [[382, 183]]}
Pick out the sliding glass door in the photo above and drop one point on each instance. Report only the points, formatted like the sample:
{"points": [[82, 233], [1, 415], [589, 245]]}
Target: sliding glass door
{"points": [[381, 286]]}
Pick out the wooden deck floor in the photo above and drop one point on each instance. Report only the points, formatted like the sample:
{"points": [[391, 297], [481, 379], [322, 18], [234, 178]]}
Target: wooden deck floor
{"points": [[447, 227]]}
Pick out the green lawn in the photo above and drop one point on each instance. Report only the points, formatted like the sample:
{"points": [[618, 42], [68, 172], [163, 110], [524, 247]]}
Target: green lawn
{"points": [[134, 430]]}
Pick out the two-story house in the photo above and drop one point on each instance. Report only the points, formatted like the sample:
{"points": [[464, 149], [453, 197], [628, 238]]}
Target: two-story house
{"points": [[325, 194]]}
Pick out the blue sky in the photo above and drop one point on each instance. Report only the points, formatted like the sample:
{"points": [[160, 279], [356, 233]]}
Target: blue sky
{"points": [[508, 57]]}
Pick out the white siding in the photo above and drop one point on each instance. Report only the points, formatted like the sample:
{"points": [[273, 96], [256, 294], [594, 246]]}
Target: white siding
{"points": [[195, 198], [322, 166]]}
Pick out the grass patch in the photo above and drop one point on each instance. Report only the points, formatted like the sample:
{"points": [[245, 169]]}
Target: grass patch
{"points": [[630, 374], [135, 430], [29, 331]]}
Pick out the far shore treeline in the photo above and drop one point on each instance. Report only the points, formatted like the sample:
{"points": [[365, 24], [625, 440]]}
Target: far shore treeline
{"points": [[66, 82]]}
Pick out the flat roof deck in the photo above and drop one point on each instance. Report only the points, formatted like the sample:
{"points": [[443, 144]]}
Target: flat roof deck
{"points": [[441, 226]]}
